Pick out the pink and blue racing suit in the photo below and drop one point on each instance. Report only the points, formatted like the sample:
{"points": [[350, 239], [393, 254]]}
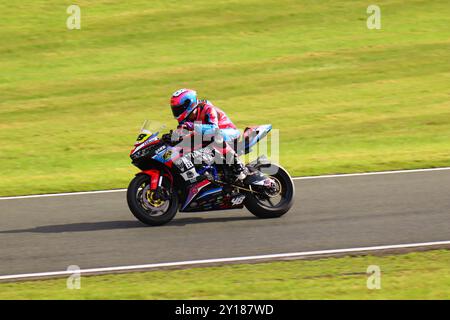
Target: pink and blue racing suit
{"points": [[212, 118], [209, 118]]}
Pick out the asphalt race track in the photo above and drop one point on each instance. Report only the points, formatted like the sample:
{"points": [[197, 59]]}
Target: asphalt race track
{"points": [[97, 230]]}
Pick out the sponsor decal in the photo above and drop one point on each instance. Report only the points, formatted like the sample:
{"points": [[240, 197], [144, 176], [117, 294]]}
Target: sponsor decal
{"points": [[190, 175], [179, 164], [187, 163], [160, 149], [184, 164], [167, 155]]}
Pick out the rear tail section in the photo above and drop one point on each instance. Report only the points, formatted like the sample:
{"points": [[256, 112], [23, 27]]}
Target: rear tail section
{"points": [[252, 135]]}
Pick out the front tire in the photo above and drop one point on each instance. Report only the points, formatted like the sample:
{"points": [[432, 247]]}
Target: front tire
{"points": [[149, 213], [262, 209]]}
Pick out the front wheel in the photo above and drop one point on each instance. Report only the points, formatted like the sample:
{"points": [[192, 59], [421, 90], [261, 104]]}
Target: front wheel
{"points": [[146, 206], [275, 204]]}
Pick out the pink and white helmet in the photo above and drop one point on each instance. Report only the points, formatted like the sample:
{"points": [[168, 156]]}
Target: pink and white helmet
{"points": [[183, 102]]}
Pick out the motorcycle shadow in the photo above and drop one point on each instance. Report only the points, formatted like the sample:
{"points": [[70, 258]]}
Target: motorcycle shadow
{"points": [[122, 224], [195, 220]]}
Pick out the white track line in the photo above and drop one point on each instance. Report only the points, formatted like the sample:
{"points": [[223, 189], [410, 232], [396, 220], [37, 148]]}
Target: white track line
{"points": [[222, 260], [62, 194], [295, 178], [369, 173]]}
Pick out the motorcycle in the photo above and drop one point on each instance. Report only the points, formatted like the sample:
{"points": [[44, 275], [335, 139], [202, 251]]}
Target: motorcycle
{"points": [[170, 181]]}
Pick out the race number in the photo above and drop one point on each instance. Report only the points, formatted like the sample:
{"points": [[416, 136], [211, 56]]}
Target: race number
{"points": [[238, 200], [177, 93]]}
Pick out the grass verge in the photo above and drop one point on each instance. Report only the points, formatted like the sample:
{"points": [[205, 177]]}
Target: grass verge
{"points": [[421, 275]]}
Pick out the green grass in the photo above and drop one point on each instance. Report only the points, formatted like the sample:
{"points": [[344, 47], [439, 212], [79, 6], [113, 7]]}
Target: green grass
{"points": [[345, 98], [423, 275]]}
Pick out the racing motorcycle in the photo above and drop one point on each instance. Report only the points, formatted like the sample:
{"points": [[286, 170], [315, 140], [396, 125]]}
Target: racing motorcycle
{"points": [[170, 181]]}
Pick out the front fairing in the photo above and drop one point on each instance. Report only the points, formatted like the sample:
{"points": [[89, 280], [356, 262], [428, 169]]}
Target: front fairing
{"points": [[146, 134], [147, 137]]}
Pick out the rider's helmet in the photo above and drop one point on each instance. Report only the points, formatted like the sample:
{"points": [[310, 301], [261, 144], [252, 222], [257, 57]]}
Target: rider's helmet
{"points": [[183, 102]]}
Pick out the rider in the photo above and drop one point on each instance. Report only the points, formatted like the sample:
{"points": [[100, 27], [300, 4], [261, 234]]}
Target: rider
{"points": [[202, 116]]}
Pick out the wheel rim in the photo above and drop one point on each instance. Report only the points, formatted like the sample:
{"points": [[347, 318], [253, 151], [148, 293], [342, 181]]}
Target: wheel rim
{"points": [[276, 200], [150, 204]]}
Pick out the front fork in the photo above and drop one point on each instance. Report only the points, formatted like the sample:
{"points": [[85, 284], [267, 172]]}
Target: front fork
{"points": [[156, 179]]}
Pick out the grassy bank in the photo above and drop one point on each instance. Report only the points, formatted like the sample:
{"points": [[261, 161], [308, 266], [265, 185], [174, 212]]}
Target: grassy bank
{"points": [[345, 98], [423, 275]]}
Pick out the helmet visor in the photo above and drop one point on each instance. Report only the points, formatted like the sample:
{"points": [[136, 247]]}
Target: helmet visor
{"points": [[178, 110]]}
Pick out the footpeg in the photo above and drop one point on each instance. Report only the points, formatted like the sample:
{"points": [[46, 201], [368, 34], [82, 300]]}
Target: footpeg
{"points": [[209, 176]]}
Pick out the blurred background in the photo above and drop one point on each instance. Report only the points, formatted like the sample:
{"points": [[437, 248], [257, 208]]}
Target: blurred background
{"points": [[345, 98]]}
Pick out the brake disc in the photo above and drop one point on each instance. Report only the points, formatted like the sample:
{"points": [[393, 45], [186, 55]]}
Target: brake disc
{"points": [[274, 189], [150, 202]]}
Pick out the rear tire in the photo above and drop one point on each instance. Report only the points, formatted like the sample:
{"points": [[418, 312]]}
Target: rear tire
{"points": [[145, 215], [256, 207]]}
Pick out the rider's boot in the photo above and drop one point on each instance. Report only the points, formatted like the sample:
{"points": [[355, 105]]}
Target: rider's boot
{"points": [[240, 169]]}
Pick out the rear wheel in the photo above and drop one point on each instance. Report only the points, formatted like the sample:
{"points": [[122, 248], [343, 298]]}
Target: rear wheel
{"points": [[147, 206], [276, 201]]}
